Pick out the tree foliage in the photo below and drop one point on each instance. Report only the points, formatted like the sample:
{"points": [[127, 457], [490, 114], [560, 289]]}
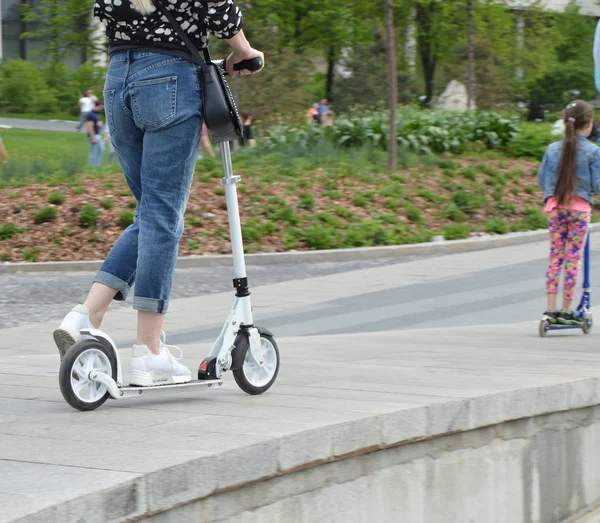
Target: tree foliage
{"points": [[62, 25]]}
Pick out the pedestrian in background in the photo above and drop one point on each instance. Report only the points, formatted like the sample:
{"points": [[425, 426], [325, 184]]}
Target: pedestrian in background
{"points": [[86, 104], [95, 135], [247, 138]]}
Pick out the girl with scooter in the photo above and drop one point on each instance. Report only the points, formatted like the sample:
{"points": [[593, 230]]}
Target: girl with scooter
{"points": [[569, 175], [153, 110]]}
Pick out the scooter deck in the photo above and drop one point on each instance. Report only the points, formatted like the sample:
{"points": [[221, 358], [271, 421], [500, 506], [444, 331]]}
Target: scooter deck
{"points": [[136, 391]]}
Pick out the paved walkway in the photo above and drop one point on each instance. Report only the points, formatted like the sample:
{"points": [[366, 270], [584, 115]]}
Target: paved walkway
{"points": [[40, 125], [369, 357]]}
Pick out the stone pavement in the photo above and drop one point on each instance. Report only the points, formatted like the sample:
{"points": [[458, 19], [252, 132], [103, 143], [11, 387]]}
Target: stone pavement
{"points": [[353, 378]]}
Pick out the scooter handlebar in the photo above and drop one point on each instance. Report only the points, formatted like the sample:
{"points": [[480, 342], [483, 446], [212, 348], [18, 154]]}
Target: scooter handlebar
{"points": [[253, 64]]}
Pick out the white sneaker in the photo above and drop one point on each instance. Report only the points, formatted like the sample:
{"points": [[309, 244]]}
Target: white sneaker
{"points": [[68, 333], [148, 369]]}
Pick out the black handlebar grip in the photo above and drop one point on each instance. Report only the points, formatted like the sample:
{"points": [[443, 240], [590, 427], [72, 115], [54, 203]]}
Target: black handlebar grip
{"points": [[251, 65]]}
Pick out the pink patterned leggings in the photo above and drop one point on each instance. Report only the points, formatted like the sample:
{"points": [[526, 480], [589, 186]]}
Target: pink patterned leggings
{"points": [[568, 230]]}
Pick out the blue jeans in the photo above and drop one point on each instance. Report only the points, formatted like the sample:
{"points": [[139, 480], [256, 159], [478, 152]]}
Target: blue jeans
{"points": [[96, 151], [152, 104]]}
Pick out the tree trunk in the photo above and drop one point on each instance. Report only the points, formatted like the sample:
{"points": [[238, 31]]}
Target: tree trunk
{"points": [[470, 57], [331, 57], [392, 82], [424, 16], [24, 28]]}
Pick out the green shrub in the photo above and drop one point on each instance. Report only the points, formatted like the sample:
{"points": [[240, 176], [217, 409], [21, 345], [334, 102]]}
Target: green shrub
{"points": [[251, 232], [23, 89], [392, 204], [468, 202], [132, 204], [418, 132], [307, 201], [56, 198], [447, 164], [486, 169], [456, 231], [125, 219], [268, 228], [430, 196], [31, 254], [469, 173], [47, 214], [534, 219], [342, 212], [514, 191], [106, 203], [507, 209], [496, 226], [531, 142], [195, 221], [366, 233], [88, 217], [498, 193], [320, 237], [414, 214], [8, 230], [451, 212], [288, 215], [359, 201]]}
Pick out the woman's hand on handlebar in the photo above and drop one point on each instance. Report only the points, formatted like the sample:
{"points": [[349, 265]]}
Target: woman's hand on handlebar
{"points": [[240, 55], [241, 51]]}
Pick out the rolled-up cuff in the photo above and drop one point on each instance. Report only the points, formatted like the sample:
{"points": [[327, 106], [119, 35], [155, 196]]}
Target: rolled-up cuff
{"points": [[110, 280], [150, 304]]}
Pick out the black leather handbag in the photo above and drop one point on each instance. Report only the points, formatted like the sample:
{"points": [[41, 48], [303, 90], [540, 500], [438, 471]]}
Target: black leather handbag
{"points": [[218, 105]]}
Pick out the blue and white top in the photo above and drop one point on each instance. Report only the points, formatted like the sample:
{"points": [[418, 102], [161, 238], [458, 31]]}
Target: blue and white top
{"points": [[126, 28]]}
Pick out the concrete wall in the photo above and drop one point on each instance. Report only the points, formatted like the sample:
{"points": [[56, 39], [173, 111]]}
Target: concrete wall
{"points": [[535, 470]]}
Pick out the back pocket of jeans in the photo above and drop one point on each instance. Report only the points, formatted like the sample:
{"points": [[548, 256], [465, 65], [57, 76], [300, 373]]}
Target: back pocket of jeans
{"points": [[154, 101]]}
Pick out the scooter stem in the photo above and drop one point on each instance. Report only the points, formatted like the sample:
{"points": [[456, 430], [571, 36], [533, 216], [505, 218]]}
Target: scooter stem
{"points": [[233, 213]]}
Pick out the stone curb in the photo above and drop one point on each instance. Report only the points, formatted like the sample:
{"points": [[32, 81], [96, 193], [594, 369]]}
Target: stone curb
{"points": [[165, 489], [332, 255]]}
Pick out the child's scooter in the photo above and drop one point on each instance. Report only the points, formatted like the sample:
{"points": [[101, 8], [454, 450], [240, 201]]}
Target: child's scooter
{"points": [[583, 311], [91, 370]]}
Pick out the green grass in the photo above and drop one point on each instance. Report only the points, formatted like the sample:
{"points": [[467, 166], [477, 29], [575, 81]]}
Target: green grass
{"points": [[51, 157]]}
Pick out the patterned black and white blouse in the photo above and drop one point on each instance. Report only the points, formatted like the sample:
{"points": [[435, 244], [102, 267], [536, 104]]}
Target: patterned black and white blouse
{"points": [[126, 28]]}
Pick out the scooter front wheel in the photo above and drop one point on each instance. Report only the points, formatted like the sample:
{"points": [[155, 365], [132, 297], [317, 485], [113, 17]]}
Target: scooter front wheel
{"points": [[543, 328], [251, 377], [588, 323], [77, 388]]}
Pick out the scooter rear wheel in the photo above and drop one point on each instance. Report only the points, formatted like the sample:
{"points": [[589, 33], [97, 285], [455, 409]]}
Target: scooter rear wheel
{"points": [[76, 386], [254, 379]]}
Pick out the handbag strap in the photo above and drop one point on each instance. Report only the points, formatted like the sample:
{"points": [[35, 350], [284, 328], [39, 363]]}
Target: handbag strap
{"points": [[185, 38]]}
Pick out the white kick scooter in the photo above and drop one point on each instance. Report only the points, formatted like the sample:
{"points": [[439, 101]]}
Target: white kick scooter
{"points": [[91, 370]]}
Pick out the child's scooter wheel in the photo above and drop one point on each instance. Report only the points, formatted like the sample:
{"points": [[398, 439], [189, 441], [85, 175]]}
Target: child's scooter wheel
{"points": [[77, 388], [588, 323], [252, 378], [543, 328]]}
